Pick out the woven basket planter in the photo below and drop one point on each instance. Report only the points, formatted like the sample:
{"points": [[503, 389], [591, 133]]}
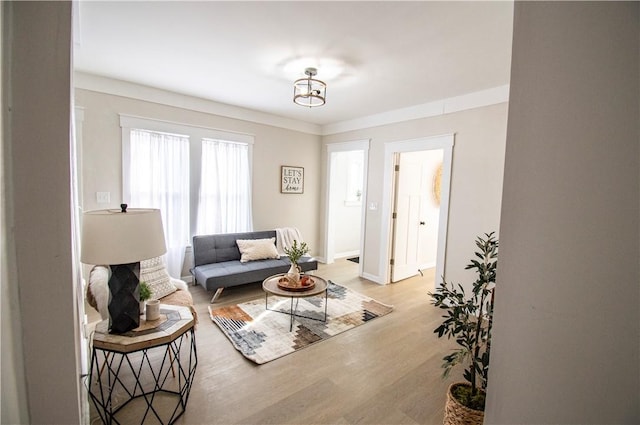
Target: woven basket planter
{"points": [[456, 413]]}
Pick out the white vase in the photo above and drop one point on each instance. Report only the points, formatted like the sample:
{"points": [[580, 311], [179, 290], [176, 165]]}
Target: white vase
{"points": [[153, 310], [142, 303], [294, 272]]}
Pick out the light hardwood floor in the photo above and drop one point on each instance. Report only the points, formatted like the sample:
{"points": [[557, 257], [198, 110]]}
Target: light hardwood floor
{"points": [[384, 372]]}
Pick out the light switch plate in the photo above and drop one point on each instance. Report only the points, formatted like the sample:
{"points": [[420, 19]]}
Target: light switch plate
{"points": [[103, 197]]}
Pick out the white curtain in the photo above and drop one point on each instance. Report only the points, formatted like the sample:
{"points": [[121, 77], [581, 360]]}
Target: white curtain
{"points": [[224, 203], [159, 178]]}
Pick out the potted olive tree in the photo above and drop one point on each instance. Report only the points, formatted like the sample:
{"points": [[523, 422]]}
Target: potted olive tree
{"points": [[468, 320]]}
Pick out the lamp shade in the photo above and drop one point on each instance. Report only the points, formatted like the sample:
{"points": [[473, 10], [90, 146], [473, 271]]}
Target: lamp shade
{"points": [[115, 237]]}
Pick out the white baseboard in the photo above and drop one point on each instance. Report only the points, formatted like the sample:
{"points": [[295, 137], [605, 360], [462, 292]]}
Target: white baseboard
{"points": [[347, 254], [188, 279], [374, 278]]}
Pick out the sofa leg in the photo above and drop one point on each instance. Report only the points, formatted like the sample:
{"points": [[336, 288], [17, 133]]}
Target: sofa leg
{"points": [[216, 295]]}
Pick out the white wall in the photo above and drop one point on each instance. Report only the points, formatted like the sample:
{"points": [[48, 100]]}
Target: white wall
{"points": [[40, 372], [273, 147], [566, 344], [476, 186]]}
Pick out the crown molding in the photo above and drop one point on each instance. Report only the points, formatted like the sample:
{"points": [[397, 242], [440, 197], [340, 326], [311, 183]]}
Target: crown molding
{"points": [[122, 88], [464, 102]]}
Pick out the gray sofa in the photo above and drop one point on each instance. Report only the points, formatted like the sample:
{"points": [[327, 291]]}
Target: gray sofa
{"points": [[217, 262]]}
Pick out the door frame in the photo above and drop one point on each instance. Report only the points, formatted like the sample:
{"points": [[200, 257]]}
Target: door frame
{"points": [[444, 142], [356, 145]]}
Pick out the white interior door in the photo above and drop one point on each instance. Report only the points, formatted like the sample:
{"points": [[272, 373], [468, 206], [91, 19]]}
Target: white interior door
{"points": [[409, 195], [417, 211]]}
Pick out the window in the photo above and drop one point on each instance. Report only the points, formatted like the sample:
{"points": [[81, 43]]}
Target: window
{"points": [[158, 165], [199, 178], [224, 204]]}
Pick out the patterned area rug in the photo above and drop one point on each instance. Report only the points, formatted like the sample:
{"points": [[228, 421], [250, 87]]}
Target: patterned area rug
{"points": [[262, 336]]}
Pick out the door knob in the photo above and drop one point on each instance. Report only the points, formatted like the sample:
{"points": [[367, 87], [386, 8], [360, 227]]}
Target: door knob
{"points": [[422, 223]]}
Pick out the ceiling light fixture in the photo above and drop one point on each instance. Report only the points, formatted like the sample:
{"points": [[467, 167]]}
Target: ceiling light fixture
{"points": [[309, 91]]}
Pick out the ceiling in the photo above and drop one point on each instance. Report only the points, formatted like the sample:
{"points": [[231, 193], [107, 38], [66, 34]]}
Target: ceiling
{"points": [[387, 55]]}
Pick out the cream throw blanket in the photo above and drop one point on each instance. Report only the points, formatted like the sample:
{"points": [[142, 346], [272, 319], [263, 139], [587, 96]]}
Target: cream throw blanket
{"points": [[285, 237]]}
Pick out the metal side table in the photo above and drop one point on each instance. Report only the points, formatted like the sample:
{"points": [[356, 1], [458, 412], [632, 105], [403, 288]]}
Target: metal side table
{"points": [[145, 374]]}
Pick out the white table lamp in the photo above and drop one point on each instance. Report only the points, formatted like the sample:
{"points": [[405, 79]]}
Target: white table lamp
{"points": [[121, 239]]}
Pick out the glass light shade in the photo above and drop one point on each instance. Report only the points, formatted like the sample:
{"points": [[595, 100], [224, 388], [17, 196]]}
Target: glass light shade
{"points": [[309, 91], [115, 237]]}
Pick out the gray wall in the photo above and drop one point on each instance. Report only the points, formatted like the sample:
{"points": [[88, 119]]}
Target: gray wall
{"points": [[40, 375], [566, 337]]}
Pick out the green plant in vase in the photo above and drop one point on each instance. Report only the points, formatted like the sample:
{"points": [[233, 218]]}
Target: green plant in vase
{"points": [[295, 253], [145, 291], [145, 294], [468, 320]]}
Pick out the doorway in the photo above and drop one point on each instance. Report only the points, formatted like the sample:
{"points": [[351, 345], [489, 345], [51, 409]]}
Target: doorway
{"points": [[416, 212], [392, 151], [345, 200]]}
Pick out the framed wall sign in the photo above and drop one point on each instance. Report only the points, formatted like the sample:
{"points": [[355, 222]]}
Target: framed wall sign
{"points": [[291, 179]]}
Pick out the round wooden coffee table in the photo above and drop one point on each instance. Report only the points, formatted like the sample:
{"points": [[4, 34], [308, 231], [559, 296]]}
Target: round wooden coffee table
{"points": [[270, 286]]}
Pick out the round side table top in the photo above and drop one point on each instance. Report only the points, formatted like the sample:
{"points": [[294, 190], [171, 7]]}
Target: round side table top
{"points": [[270, 285]]}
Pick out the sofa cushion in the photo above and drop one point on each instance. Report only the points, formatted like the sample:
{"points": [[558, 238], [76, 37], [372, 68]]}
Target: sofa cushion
{"points": [[257, 249], [155, 274], [222, 247], [232, 273]]}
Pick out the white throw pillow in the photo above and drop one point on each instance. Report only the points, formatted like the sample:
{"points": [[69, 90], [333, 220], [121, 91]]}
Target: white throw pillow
{"points": [[155, 274], [257, 249]]}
